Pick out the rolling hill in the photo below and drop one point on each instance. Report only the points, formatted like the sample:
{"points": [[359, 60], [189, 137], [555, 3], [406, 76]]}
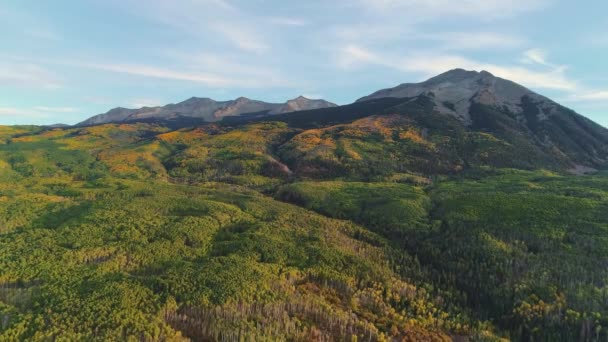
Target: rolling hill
{"points": [[463, 208]]}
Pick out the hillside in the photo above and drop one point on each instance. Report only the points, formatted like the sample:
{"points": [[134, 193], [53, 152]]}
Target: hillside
{"points": [[387, 219], [509, 111]]}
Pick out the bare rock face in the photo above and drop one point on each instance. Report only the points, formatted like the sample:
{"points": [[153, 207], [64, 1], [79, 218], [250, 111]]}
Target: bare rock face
{"points": [[206, 109], [455, 91], [242, 105], [302, 103]]}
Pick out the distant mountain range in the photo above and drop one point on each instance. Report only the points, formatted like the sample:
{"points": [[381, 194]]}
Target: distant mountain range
{"points": [[459, 105], [206, 109], [481, 119]]}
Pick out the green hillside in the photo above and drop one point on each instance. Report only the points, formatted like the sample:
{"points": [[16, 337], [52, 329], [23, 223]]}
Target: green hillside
{"points": [[393, 224]]}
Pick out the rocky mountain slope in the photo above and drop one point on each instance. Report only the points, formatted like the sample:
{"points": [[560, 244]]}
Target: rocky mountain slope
{"points": [[483, 102], [457, 90], [205, 109]]}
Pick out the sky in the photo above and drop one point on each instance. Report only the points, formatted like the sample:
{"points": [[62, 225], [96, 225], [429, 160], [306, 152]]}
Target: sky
{"points": [[62, 61]]}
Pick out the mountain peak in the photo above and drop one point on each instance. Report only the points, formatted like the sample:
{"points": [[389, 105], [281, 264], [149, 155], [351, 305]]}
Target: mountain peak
{"points": [[456, 90], [458, 75], [302, 103], [206, 109]]}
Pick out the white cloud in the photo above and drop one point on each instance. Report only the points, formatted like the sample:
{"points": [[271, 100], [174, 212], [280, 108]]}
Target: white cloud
{"points": [[286, 21], [487, 9], [159, 72], [212, 70], [596, 95], [428, 65], [21, 112], [219, 3], [474, 40], [55, 109], [36, 112], [555, 79], [370, 33], [535, 56], [236, 66], [207, 21], [139, 103], [243, 38], [187, 75], [353, 56], [27, 75], [391, 33]]}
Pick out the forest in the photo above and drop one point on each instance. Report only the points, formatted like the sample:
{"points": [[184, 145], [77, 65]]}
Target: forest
{"points": [[375, 229]]}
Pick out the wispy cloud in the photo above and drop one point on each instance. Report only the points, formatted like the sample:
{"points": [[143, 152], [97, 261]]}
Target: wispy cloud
{"points": [[211, 70], [244, 38], [471, 8], [22, 112], [595, 95], [158, 72], [474, 40], [219, 3], [536, 56], [28, 75], [187, 75], [208, 20], [234, 65], [368, 33], [287, 21], [56, 109], [139, 103], [171, 74], [431, 64]]}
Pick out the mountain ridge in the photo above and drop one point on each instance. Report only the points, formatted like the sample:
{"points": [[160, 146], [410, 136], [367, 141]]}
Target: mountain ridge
{"points": [[205, 109], [457, 88], [459, 105]]}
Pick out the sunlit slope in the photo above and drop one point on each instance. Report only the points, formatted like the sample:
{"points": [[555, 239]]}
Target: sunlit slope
{"points": [[132, 259], [528, 249]]}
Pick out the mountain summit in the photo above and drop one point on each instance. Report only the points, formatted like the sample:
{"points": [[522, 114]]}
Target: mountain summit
{"points": [[455, 91], [206, 109]]}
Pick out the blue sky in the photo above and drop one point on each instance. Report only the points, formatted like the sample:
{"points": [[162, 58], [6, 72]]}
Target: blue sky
{"points": [[63, 61]]}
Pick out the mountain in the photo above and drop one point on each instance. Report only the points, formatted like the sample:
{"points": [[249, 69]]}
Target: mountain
{"points": [[205, 109], [477, 119], [442, 212], [456, 91], [485, 103], [301, 103]]}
